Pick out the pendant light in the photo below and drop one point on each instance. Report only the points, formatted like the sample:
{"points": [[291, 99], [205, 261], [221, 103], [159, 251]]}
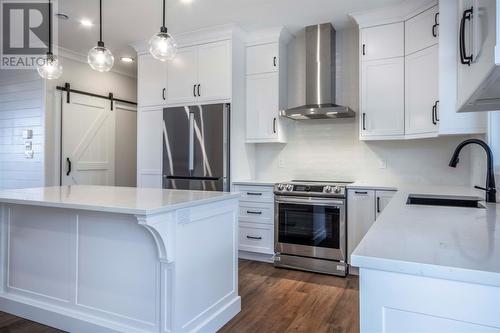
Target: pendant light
{"points": [[162, 46], [100, 58], [51, 68]]}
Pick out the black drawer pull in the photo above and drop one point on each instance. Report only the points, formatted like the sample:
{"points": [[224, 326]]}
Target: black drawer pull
{"points": [[254, 193], [378, 205], [360, 192], [253, 237], [253, 212]]}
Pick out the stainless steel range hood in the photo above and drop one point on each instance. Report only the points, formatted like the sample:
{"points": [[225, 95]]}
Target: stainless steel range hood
{"points": [[320, 78]]}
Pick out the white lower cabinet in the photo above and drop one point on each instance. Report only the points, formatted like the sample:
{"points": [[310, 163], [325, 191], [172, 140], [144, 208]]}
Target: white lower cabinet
{"points": [[363, 208], [256, 217]]}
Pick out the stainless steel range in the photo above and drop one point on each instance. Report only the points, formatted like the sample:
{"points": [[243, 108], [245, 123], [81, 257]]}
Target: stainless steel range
{"points": [[310, 226]]}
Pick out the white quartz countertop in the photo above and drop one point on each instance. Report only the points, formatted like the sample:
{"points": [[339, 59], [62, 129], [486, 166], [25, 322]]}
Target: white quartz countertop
{"points": [[453, 243], [126, 200]]}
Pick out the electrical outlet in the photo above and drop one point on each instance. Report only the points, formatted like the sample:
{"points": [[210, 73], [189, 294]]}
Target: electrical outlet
{"points": [[382, 164], [281, 163]]}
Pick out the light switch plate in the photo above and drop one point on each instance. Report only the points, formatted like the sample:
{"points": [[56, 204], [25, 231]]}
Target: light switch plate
{"points": [[382, 164]]}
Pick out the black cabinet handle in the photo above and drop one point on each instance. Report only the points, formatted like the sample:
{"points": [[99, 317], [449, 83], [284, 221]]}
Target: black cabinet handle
{"points": [[364, 49], [378, 204], [254, 193], [69, 166], [437, 110], [364, 121], [464, 58], [435, 113], [361, 192], [199, 95], [163, 93], [253, 212], [435, 26], [253, 237], [194, 90], [274, 61], [274, 125]]}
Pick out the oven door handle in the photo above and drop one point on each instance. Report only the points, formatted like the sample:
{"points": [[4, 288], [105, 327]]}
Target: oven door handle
{"points": [[310, 201]]}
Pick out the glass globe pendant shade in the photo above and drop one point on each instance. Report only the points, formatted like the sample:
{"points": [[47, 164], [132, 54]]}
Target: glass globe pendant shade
{"points": [[100, 58], [51, 69], [162, 46]]}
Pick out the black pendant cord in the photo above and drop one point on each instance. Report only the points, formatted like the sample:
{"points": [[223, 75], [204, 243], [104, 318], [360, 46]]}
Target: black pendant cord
{"points": [[164, 13], [50, 28], [100, 22]]}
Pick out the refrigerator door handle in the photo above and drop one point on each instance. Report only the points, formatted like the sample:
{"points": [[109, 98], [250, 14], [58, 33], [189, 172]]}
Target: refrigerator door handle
{"points": [[191, 142]]}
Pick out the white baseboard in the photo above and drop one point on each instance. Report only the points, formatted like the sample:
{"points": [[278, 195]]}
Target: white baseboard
{"points": [[221, 318]]}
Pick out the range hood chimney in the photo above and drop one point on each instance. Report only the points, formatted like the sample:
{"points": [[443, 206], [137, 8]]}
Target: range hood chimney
{"points": [[320, 78]]}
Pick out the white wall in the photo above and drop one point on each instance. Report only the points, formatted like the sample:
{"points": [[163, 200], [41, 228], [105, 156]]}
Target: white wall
{"points": [[81, 77], [21, 107], [331, 149]]}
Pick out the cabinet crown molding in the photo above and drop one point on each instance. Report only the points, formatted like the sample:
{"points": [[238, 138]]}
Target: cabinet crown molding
{"points": [[391, 14], [200, 36], [269, 35]]}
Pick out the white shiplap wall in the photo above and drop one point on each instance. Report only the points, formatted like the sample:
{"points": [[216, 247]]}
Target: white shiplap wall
{"points": [[21, 107]]}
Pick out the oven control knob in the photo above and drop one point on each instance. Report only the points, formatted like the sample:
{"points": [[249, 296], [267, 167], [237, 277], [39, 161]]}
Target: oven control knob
{"points": [[281, 187], [289, 188], [337, 189], [328, 189]]}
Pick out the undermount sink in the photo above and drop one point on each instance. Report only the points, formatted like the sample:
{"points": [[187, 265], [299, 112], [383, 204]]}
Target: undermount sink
{"points": [[444, 200]]}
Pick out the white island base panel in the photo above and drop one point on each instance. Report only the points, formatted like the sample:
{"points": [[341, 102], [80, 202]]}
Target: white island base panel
{"points": [[396, 302], [89, 271]]}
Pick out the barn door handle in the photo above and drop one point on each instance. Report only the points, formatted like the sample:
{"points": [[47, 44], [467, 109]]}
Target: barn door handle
{"points": [[69, 166]]}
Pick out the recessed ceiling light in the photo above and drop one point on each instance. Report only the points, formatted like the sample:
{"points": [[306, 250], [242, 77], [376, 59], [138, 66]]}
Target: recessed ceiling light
{"points": [[86, 23], [186, 1], [127, 59], [62, 16]]}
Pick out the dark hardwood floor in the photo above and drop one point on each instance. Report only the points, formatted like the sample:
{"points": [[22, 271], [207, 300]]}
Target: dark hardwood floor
{"points": [[279, 300], [273, 301], [13, 324]]}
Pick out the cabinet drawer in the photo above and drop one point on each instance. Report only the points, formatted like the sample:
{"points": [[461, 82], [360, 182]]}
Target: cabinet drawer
{"points": [[422, 31], [256, 238], [254, 212], [255, 193]]}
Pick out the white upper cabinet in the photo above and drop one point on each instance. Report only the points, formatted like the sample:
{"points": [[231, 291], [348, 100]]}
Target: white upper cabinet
{"points": [[422, 31], [383, 41], [478, 84], [152, 81], [262, 106], [422, 92], [382, 98], [267, 86], [408, 74], [263, 58], [214, 71], [182, 74], [200, 74]]}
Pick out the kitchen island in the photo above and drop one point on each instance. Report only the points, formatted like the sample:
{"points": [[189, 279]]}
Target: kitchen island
{"points": [[431, 268], [109, 259]]}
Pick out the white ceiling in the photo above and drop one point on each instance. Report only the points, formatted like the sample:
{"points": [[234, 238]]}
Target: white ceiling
{"points": [[127, 21]]}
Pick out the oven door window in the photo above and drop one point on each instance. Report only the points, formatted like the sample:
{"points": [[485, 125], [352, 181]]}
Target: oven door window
{"points": [[309, 225]]}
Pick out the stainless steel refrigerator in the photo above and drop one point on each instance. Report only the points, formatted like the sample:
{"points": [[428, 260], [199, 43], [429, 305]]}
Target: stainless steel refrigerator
{"points": [[196, 147]]}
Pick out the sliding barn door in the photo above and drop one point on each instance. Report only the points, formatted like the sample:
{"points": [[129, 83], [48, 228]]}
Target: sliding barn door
{"points": [[88, 141]]}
